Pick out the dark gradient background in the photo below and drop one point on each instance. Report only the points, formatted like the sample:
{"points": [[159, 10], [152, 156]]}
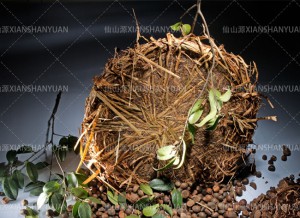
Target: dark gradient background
{"points": [[73, 58]]}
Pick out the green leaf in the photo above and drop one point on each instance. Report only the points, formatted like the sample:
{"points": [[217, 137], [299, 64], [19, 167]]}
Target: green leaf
{"points": [[51, 186], [19, 178], [32, 171], [10, 188], [122, 199], [132, 216], [167, 208], [196, 106], [37, 191], [42, 199], [150, 210], [192, 131], [168, 165], [75, 209], [113, 198], [81, 178], [176, 198], [176, 26], [33, 185], [212, 124], [63, 141], [72, 180], [57, 201], [41, 165], [194, 117], [62, 153], [183, 155], [142, 203], [72, 140], [161, 184], [4, 169], [226, 96], [24, 150], [166, 152], [146, 189], [31, 213], [213, 109], [11, 156], [80, 193], [186, 29], [94, 200], [84, 210]]}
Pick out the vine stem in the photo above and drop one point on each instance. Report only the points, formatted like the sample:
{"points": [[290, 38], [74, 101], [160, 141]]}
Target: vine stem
{"points": [[209, 74]]}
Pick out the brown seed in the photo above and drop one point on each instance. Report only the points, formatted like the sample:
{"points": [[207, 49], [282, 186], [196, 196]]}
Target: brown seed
{"points": [[69, 208], [24, 202], [132, 197], [283, 158], [209, 191], [185, 193], [230, 214], [273, 158], [245, 181], [253, 185], [239, 191], [270, 162], [243, 202], [135, 188], [271, 168], [208, 198], [196, 198], [264, 157], [239, 183], [258, 174], [5, 200], [65, 215], [207, 211], [184, 185], [196, 208], [190, 203], [245, 213], [228, 198], [212, 205], [202, 215], [236, 207], [216, 188], [111, 211], [166, 199], [122, 214], [49, 212], [221, 206], [140, 193], [215, 215], [177, 183], [286, 151], [257, 214]]}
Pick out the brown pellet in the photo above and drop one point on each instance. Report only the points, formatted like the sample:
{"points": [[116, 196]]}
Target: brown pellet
{"points": [[283, 158], [253, 185], [271, 168]]}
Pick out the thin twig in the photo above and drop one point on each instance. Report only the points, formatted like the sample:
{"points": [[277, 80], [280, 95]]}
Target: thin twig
{"points": [[50, 126]]}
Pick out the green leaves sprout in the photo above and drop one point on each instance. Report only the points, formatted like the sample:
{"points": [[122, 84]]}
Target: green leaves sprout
{"points": [[170, 153], [184, 28]]}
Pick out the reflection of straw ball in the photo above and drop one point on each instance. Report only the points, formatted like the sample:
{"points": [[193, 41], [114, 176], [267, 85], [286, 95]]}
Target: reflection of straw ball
{"points": [[143, 98]]}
